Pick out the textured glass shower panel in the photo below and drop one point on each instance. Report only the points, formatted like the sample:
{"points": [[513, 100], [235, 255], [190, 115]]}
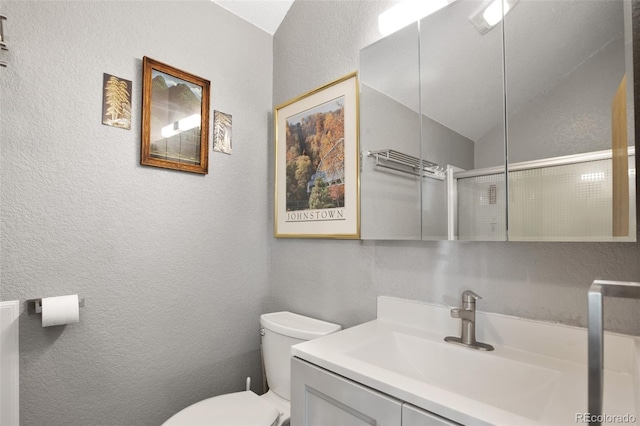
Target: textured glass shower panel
{"points": [[571, 202], [481, 208]]}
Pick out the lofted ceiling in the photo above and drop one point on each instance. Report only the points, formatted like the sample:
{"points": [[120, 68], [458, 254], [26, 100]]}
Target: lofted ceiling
{"points": [[264, 14], [452, 48]]}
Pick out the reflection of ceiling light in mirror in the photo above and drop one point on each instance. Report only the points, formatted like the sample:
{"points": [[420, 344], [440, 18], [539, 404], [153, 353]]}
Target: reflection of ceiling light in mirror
{"points": [[493, 14], [185, 124], [593, 177], [190, 122], [406, 12], [170, 130], [490, 15]]}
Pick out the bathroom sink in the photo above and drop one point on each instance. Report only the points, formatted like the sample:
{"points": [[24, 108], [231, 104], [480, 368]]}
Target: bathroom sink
{"points": [[537, 374], [482, 376]]}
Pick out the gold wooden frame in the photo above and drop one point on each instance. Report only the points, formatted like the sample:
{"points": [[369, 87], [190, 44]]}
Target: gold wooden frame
{"points": [[186, 145], [339, 214]]}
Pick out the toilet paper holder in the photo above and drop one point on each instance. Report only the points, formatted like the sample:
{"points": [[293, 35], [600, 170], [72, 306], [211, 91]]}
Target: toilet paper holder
{"points": [[35, 305]]}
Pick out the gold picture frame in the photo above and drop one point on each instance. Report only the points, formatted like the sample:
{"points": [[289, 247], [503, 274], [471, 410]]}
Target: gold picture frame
{"points": [[175, 118], [317, 179]]}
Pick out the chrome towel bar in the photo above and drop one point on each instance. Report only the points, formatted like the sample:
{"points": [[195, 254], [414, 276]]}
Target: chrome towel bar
{"points": [[597, 291], [390, 159]]}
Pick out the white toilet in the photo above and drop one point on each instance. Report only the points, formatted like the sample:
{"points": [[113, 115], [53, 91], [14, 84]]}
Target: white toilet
{"points": [[280, 330]]}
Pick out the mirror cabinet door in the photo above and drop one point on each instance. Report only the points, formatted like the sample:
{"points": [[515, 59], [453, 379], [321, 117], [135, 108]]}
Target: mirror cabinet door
{"points": [[390, 137], [545, 94], [462, 105], [571, 156]]}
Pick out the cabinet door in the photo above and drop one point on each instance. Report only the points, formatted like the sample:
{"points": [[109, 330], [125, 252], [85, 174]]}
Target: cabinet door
{"points": [[321, 398], [414, 416]]}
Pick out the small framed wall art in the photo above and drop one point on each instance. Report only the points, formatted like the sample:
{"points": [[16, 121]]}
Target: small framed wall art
{"points": [[175, 118], [221, 132], [116, 101], [317, 192]]}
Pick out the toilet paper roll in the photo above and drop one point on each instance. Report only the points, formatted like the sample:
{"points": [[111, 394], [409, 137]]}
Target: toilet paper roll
{"points": [[60, 310]]}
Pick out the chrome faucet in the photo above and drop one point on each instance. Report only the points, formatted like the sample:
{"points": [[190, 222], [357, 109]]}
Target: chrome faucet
{"points": [[468, 316]]}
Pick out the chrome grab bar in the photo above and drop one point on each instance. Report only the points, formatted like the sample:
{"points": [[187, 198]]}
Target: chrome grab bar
{"points": [[597, 291]]}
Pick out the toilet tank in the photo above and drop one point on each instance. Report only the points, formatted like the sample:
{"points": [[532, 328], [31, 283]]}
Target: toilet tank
{"points": [[280, 331]]}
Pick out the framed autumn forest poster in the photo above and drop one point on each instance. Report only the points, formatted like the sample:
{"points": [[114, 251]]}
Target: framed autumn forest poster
{"points": [[317, 192], [175, 118]]}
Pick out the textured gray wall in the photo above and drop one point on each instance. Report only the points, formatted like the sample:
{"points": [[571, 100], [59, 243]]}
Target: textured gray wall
{"points": [[393, 198], [444, 147], [575, 110], [339, 280], [388, 196], [173, 265]]}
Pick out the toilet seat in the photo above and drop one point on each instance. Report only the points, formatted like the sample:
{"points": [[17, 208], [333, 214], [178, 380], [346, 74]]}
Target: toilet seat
{"points": [[233, 409]]}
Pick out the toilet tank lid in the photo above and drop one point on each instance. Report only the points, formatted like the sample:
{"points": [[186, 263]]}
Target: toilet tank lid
{"points": [[297, 326]]}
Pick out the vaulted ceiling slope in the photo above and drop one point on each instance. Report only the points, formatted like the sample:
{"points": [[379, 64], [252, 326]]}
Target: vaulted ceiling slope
{"points": [[264, 14]]}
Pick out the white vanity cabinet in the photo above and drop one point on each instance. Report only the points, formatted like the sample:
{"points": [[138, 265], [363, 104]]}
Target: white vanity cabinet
{"points": [[320, 398], [414, 416]]}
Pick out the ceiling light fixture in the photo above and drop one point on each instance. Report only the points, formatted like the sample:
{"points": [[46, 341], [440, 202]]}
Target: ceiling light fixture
{"points": [[491, 14], [406, 12]]}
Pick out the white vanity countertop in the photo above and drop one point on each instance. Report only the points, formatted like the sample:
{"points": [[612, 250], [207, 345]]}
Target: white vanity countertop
{"points": [[537, 374]]}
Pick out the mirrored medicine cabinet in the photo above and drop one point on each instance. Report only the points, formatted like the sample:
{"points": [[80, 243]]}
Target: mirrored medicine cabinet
{"points": [[523, 131]]}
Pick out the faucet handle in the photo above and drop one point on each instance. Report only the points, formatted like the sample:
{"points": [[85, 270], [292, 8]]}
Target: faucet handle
{"points": [[469, 296]]}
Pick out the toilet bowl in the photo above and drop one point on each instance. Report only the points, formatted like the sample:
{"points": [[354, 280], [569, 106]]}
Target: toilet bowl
{"points": [[279, 331]]}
